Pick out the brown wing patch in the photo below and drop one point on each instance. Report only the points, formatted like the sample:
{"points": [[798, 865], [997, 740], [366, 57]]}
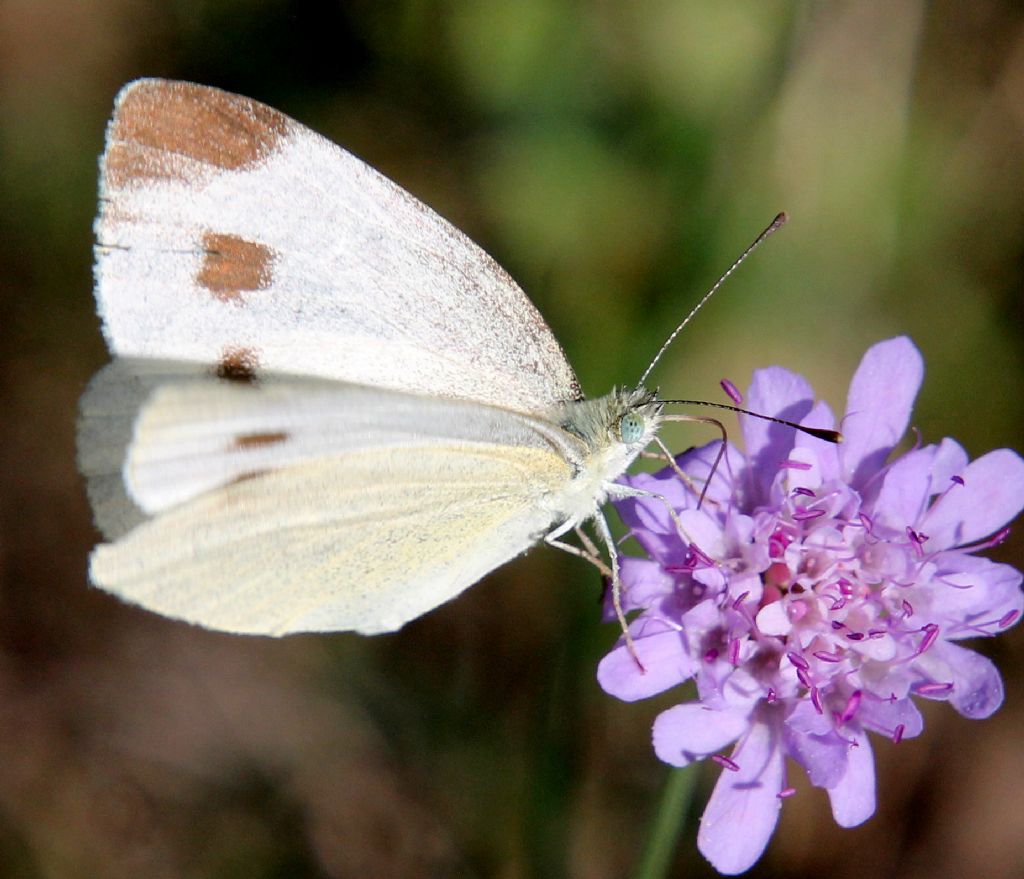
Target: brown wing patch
{"points": [[238, 365], [257, 440], [157, 122], [245, 477], [232, 266]]}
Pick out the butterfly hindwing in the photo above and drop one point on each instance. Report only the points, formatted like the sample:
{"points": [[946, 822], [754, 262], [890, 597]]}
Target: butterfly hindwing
{"points": [[357, 541]]}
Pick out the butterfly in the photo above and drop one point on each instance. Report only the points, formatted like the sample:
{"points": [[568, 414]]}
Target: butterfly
{"points": [[328, 409]]}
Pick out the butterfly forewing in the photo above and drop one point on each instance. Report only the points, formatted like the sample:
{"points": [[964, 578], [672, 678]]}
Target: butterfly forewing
{"points": [[233, 236]]}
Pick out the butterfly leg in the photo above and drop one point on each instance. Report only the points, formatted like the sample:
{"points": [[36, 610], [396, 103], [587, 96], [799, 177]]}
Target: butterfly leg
{"points": [[589, 552], [718, 458], [618, 492], [601, 523], [666, 458], [588, 544]]}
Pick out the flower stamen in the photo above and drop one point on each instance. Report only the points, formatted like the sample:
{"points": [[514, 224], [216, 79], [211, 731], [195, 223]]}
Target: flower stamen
{"points": [[789, 464], [931, 632], [852, 704], [725, 762], [935, 689]]}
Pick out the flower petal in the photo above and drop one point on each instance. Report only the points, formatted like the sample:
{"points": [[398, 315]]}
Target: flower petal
{"points": [[744, 807], [970, 596], [665, 664], [746, 589], [772, 619], [644, 582], [950, 461], [886, 715], [906, 489], [853, 796], [992, 494], [878, 407], [698, 464], [685, 733], [778, 392], [827, 453], [811, 741], [803, 472], [977, 687]]}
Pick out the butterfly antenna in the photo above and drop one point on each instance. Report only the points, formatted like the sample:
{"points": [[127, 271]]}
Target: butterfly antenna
{"points": [[774, 226], [822, 433]]}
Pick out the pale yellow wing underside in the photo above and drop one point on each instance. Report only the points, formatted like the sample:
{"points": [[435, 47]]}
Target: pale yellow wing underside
{"points": [[364, 540]]}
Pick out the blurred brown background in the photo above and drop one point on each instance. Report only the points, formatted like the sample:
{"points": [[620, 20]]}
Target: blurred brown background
{"points": [[615, 157]]}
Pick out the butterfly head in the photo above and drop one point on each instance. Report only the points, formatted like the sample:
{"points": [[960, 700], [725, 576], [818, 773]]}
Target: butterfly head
{"points": [[638, 417], [617, 426]]}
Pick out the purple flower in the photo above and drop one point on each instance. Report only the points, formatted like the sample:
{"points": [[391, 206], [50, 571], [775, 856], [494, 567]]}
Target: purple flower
{"points": [[816, 590]]}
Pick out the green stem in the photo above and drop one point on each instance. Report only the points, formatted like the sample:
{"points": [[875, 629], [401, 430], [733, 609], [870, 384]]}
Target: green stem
{"points": [[668, 823]]}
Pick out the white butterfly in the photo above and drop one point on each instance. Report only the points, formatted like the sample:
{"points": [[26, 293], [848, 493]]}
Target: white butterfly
{"points": [[328, 409]]}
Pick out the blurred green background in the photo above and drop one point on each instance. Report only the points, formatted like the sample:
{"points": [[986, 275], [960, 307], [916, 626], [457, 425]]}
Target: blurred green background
{"points": [[615, 157]]}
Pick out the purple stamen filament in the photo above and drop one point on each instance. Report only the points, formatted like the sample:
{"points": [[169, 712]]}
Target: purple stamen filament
{"points": [[931, 632], [852, 704], [794, 465], [1008, 618], [731, 391], [933, 689], [725, 762], [994, 540], [701, 555], [803, 514], [816, 700], [798, 661]]}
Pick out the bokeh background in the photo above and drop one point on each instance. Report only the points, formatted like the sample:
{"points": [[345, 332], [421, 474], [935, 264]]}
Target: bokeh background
{"points": [[615, 157]]}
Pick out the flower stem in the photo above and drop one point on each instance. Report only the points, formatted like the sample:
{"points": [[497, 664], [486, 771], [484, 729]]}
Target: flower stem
{"points": [[668, 823]]}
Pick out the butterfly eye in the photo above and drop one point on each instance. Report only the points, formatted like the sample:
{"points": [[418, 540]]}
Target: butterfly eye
{"points": [[631, 427]]}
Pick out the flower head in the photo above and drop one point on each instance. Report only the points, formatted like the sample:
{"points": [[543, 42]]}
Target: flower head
{"points": [[812, 595]]}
